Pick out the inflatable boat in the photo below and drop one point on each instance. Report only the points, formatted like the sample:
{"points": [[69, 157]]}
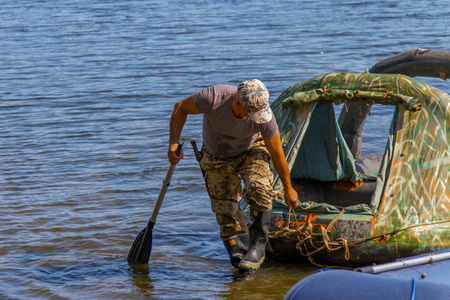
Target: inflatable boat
{"points": [[357, 210], [421, 277]]}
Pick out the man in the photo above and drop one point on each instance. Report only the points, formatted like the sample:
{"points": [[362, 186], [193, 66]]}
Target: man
{"points": [[240, 135]]}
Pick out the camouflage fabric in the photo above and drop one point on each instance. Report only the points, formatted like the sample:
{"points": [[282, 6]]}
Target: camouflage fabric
{"points": [[254, 96], [224, 179], [412, 189]]}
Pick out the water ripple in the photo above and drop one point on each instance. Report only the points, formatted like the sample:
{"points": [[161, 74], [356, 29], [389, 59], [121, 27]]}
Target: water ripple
{"points": [[87, 89]]}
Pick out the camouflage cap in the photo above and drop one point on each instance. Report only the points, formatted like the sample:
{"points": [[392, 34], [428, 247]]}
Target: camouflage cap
{"points": [[254, 96]]}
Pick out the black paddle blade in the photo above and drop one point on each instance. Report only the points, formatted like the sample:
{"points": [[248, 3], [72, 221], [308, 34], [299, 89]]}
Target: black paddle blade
{"points": [[142, 246]]}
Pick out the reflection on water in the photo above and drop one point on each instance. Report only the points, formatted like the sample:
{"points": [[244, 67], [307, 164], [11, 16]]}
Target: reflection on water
{"points": [[139, 274], [274, 279], [87, 88]]}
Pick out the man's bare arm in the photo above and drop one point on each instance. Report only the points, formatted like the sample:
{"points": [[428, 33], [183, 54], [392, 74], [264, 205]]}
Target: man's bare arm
{"points": [[281, 166], [180, 112]]}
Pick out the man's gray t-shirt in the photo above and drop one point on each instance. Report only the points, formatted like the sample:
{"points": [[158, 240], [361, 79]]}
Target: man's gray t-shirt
{"points": [[225, 135]]}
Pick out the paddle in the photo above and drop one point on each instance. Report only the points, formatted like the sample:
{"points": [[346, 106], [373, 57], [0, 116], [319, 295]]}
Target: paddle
{"points": [[142, 245]]}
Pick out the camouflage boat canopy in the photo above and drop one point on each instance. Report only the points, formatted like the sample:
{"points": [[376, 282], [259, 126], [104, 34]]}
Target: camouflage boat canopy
{"points": [[407, 186]]}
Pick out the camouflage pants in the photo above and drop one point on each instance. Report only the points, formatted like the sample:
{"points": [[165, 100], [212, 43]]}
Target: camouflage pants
{"points": [[224, 179]]}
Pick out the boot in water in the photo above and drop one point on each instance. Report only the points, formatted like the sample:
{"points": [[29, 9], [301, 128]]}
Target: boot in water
{"points": [[237, 247], [259, 236]]}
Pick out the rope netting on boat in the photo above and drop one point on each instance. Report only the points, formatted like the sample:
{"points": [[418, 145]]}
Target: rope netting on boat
{"points": [[312, 238]]}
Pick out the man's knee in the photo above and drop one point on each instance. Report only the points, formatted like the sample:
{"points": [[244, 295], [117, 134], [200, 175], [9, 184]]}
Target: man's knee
{"points": [[258, 194], [230, 218]]}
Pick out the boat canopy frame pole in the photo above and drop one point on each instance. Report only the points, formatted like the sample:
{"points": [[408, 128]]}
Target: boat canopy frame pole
{"points": [[404, 263]]}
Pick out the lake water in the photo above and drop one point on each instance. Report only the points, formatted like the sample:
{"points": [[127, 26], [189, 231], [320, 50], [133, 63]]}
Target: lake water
{"points": [[86, 90]]}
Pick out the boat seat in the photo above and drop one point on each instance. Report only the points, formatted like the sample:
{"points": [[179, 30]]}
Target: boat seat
{"points": [[339, 194], [342, 193]]}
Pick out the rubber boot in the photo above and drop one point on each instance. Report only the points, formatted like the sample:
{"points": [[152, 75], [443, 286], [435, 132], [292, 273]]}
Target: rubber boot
{"points": [[237, 247], [259, 236]]}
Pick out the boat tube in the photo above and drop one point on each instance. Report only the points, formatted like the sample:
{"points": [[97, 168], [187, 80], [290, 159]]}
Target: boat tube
{"points": [[421, 277], [416, 62]]}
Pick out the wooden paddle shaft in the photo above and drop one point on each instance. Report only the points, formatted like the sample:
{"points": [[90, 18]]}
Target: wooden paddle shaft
{"points": [[164, 187]]}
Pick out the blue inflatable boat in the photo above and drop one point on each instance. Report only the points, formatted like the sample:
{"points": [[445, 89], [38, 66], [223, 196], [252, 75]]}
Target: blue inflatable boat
{"points": [[419, 277]]}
